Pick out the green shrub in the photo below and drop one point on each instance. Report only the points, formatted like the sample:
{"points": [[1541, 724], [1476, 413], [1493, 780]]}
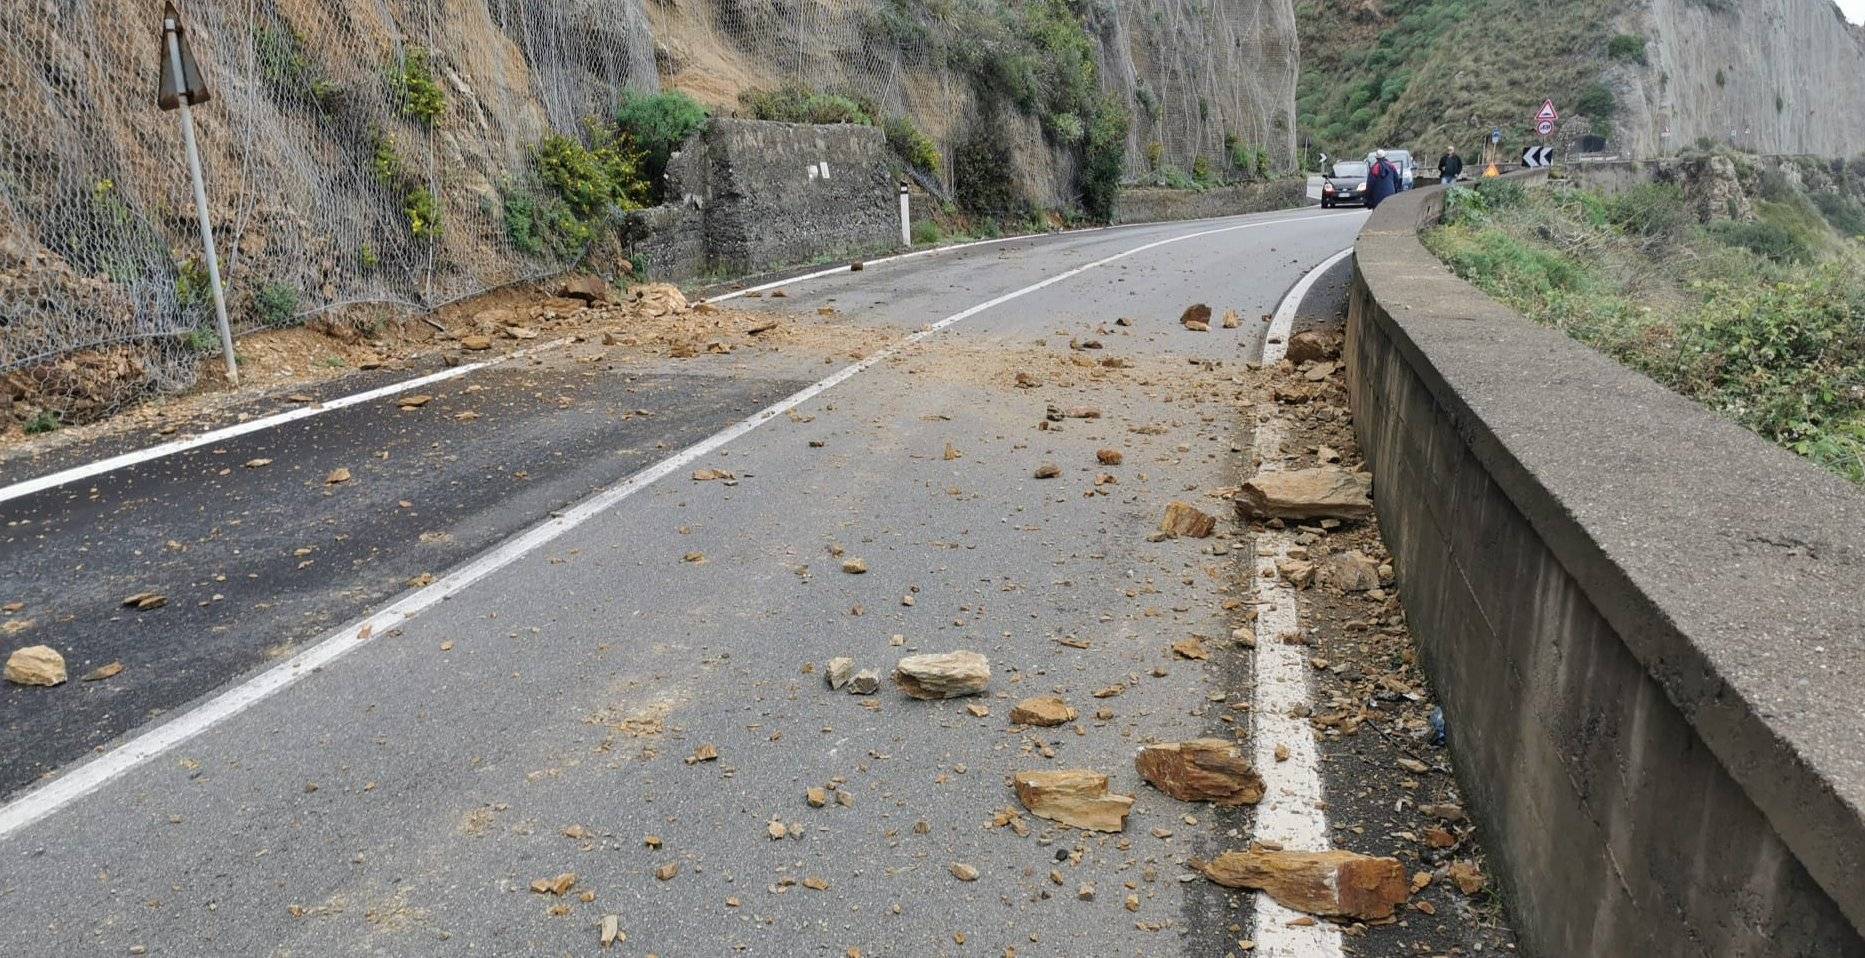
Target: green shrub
{"points": [[591, 179], [981, 176], [45, 421], [423, 212], [913, 147], [657, 124], [287, 69], [1171, 177], [542, 226], [799, 104], [1846, 214], [417, 94], [1067, 127], [1776, 242], [275, 304], [1627, 47], [1104, 159], [384, 162], [193, 287], [1155, 154], [926, 233], [1201, 170], [204, 339], [1597, 101]]}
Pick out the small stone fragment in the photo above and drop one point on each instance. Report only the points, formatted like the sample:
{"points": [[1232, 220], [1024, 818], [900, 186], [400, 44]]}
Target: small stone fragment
{"points": [[854, 566], [1348, 572], [612, 930], [945, 676], [1231, 319], [36, 665], [1468, 877], [865, 682], [1331, 884], [475, 343], [102, 672], [1190, 649], [1197, 318], [1048, 470], [555, 886], [1109, 457], [1182, 519], [964, 872], [706, 752], [713, 475], [814, 883], [337, 475], [415, 401], [1045, 711], [667, 871], [840, 670], [1077, 798], [817, 797], [146, 600], [258, 463], [1201, 770]]}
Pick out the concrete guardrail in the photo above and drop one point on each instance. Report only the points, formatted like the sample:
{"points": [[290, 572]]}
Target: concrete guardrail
{"points": [[1646, 623]]}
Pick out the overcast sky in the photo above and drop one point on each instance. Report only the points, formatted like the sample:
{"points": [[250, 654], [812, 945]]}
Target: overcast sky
{"points": [[1855, 9]]}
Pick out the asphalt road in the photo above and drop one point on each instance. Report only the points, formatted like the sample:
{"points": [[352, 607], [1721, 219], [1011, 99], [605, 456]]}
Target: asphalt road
{"points": [[402, 798]]}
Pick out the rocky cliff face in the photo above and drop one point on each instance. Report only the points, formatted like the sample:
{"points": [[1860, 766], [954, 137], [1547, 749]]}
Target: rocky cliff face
{"points": [[1774, 76]]}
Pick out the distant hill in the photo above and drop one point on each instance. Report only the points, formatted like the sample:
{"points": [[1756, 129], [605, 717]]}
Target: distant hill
{"points": [[1773, 76]]}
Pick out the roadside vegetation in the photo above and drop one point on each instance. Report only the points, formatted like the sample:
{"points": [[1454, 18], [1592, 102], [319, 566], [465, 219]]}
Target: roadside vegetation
{"points": [[1762, 320]]}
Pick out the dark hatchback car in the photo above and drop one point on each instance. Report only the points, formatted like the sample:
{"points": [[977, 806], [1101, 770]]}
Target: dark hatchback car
{"points": [[1344, 184]]}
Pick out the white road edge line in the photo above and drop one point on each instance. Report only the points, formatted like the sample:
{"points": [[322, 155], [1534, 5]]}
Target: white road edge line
{"points": [[1291, 813], [88, 777], [101, 466]]}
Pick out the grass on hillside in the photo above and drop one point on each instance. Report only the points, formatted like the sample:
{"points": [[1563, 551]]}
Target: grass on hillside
{"points": [[1763, 322], [1425, 74]]}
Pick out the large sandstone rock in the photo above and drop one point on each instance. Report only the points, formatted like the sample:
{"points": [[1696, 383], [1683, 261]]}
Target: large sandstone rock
{"points": [[1045, 711], [35, 665], [1075, 797], [1333, 884], [1201, 770], [1325, 492], [945, 676], [1348, 572], [589, 289], [1312, 347], [1184, 519]]}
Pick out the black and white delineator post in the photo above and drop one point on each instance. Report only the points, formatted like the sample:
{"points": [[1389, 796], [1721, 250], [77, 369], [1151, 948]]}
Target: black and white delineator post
{"points": [[181, 88], [906, 217]]}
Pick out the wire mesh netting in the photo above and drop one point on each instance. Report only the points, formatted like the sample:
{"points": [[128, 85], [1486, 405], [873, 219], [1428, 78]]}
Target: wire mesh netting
{"points": [[373, 151], [355, 152]]}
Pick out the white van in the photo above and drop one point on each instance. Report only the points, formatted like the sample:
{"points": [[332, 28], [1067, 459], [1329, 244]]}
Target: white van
{"points": [[1408, 167]]}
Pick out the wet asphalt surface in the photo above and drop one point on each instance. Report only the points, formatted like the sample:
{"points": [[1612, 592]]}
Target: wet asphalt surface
{"points": [[401, 800]]}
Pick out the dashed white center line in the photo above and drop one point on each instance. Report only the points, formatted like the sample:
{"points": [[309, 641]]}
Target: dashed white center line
{"points": [[1291, 813]]}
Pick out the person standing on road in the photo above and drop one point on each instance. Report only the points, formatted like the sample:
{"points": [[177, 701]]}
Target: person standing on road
{"points": [[1450, 165], [1382, 180]]}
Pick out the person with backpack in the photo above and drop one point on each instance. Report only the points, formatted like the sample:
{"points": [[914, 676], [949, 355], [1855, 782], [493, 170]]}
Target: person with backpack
{"points": [[1450, 166], [1382, 180]]}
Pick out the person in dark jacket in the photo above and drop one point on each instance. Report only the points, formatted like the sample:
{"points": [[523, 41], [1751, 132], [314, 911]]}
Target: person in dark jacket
{"points": [[1450, 166], [1382, 180]]}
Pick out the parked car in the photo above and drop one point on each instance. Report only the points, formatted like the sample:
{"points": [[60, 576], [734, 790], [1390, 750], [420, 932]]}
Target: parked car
{"points": [[1345, 184], [1408, 167]]}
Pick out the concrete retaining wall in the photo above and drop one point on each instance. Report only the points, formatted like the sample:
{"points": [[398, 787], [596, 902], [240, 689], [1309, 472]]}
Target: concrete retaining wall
{"points": [[754, 195], [1647, 625], [1152, 205]]}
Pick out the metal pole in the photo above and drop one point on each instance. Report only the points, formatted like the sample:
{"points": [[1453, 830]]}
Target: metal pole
{"points": [[906, 217], [170, 29]]}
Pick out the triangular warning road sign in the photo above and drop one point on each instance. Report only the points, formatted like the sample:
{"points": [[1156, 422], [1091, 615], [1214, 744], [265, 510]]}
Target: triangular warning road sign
{"points": [[1547, 111]]}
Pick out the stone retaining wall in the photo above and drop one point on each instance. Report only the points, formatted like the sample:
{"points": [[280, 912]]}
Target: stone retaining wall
{"points": [[1152, 205], [1647, 624]]}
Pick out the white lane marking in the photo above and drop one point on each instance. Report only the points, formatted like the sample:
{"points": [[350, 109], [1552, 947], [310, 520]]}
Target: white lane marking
{"points": [[897, 257], [92, 775], [1276, 339], [1291, 813], [101, 466]]}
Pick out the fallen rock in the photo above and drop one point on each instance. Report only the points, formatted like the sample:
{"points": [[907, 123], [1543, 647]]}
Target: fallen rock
{"points": [[1185, 519], [555, 886], [865, 682], [840, 670], [1299, 573], [1048, 470], [1332, 884], [1312, 347], [1197, 318], [945, 676], [415, 401], [475, 343], [1045, 711], [1201, 770], [1191, 649], [1231, 319], [612, 930], [1110, 457], [35, 665], [1348, 572], [713, 475], [964, 872], [337, 475], [589, 289], [1469, 879], [146, 600], [1074, 797], [103, 672], [855, 566], [1325, 492]]}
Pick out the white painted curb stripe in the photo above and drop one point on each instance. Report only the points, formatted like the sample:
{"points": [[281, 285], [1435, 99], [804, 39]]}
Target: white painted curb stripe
{"points": [[1291, 812], [92, 775], [101, 466]]}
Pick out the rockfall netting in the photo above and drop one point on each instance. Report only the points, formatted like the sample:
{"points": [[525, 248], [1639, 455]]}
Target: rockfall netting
{"points": [[356, 151]]}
